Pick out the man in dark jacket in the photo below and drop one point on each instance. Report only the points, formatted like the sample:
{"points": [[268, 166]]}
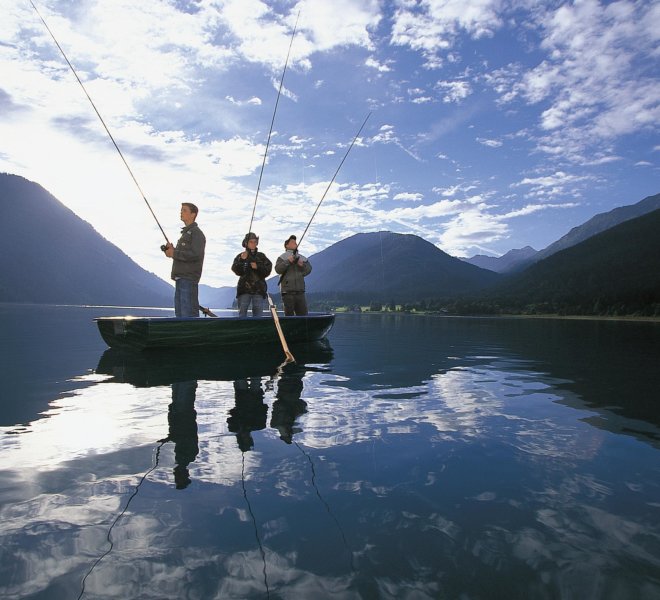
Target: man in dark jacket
{"points": [[252, 267], [187, 261], [293, 268]]}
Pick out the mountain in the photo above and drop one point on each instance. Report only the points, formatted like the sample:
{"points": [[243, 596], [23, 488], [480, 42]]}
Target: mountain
{"points": [[601, 222], [513, 260], [517, 260], [51, 256], [387, 266], [613, 272], [221, 297]]}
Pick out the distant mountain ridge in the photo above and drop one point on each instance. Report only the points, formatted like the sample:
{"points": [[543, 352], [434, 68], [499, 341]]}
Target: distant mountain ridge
{"points": [[388, 266], [511, 261], [601, 222], [516, 260], [52, 256], [618, 268]]}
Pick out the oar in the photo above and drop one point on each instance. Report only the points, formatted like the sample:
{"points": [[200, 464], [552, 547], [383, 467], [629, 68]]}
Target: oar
{"points": [[273, 310]]}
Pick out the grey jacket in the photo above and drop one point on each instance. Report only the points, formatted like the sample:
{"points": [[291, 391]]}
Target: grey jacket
{"points": [[189, 254], [292, 276]]}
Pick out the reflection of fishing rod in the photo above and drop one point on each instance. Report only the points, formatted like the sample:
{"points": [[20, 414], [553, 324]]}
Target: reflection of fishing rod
{"points": [[254, 522], [119, 516], [205, 310], [277, 101], [327, 506], [333, 179], [98, 114]]}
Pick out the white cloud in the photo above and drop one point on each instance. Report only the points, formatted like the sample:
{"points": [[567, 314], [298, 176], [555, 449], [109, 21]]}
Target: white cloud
{"points": [[254, 101], [597, 78], [532, 208], [489, 143], [372, 63], [453, 91], [471, 228], [339, 23], [558, 178], [432, 26], [409, 197]]}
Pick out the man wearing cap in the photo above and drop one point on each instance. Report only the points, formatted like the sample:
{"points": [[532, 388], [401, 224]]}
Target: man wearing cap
{"points": [[252, 268], [293, 268], [187, 262]]}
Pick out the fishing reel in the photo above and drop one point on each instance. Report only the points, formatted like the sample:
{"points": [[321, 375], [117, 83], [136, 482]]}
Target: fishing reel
{"points": [[163, 247]]}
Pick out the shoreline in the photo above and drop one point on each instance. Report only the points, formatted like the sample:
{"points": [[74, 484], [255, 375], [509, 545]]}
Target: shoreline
{"points": [[627, 318]]}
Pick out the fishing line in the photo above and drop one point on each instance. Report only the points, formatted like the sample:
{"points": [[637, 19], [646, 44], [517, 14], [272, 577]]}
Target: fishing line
{"points": [[327, 506], [98, 114], [333, 178], [119, 516], [279, 93], [254, 523]]}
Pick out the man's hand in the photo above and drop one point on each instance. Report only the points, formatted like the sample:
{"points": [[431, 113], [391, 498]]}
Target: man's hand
{"points": [[169, 250]]}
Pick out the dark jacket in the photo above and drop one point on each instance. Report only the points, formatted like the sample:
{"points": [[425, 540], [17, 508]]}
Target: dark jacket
{"points": [[252, 281], [189, 254], [292, 276]]}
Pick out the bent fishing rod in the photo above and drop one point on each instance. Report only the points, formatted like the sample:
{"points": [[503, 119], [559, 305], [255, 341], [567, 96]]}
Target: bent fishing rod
{"points": [[272, 122], [205, 310], [333, 179], [98, 114]]}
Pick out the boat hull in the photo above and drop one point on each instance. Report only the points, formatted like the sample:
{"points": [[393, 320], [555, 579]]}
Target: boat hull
{"points": [[142, 333]]}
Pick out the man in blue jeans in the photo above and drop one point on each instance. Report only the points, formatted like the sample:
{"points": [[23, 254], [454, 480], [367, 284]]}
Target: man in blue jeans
{"points": [[188, 259]]}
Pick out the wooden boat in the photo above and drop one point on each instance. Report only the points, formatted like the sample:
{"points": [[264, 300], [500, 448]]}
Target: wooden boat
{"points": [[142, 333]]}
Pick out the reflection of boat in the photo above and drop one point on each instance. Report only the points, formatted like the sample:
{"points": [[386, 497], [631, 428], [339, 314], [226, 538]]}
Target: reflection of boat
{"points": [[163, 367], [139, 333]]}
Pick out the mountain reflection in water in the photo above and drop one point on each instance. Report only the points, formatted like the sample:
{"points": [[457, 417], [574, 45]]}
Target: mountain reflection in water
{"points": [[410, 457]]}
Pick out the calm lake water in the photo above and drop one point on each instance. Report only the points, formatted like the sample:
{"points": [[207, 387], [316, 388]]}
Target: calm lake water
{"points": [[411, 457]]}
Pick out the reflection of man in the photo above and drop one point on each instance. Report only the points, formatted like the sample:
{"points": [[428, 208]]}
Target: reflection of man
{"points": [[250, 411], [289, 405], [182, 419]]}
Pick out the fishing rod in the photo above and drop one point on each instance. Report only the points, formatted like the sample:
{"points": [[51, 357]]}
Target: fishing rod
{"points": [[295, 252], [333, 178], [272, 122], [98, 114], [205, 310], [273, 310]]}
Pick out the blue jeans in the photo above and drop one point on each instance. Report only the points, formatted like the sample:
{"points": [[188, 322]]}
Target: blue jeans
{"points": [[186, 303], [244, 301]]}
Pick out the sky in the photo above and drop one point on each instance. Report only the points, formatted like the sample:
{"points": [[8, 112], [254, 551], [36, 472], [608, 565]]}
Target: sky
{"points": [[490, 124]]}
